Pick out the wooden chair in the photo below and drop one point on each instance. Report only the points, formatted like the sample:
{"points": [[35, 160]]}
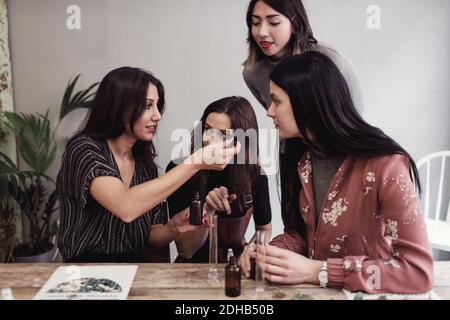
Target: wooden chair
{"points": [[436, 195]]}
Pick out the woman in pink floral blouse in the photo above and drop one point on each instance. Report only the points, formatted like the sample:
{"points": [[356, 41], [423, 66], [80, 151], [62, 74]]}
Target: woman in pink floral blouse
{"points": [[350, 207]]}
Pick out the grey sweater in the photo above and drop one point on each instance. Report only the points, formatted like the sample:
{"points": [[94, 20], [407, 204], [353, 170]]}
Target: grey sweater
{"points": [[323, 172], [257, 79]]}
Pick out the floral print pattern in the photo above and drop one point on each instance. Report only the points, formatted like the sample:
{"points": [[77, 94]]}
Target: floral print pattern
{"points": [[335, 248], [337, 209], [391, 229], [332, 195], [403, 184], [305, 172], [366, 190], [370, 176]]}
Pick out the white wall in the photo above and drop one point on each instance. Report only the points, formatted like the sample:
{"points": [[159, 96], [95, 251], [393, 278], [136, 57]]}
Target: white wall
{"points": [[404, 67], [196, 48]]}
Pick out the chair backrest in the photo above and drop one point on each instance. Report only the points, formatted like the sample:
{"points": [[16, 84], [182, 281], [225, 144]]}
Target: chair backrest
{"points": [[437, 188]]}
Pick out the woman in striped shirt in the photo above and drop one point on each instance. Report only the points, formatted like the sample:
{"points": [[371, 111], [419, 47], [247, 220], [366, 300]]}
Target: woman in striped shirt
{"points": [[108, 187]]}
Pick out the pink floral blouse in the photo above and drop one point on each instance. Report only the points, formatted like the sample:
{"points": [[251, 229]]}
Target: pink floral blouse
{"points": [[370, 230]]}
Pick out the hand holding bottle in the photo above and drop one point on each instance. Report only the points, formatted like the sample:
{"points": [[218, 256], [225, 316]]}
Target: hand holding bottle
{"points": [[181, 224], [214, 156]]}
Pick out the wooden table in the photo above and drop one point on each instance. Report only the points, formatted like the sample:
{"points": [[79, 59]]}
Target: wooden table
{"points": [[187, 281]]}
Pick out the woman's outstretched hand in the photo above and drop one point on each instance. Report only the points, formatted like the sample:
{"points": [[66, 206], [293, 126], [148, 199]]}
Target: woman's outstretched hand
{"points": [[214, 156]]}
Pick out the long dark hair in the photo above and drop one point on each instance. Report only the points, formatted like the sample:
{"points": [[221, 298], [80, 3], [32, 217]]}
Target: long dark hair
{"points": [[241, 176], [322, 105], [302, 38], [121, 97]]}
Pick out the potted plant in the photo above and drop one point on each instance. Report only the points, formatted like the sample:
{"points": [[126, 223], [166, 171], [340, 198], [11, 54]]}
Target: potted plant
{"points": [[7, 211], [32, 190]]}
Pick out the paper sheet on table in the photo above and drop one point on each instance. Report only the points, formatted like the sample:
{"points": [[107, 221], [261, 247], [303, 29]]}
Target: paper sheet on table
{"points": [[88, 283], [390, 296]]}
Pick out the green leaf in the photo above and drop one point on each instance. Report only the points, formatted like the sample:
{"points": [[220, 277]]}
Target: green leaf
{"points": [[80, 99], [14, 122], [67, 94], [359, 296], [34, 139], [301, 296], [12, 180]]}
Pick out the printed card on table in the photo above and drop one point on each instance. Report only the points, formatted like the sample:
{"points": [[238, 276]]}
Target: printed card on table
{"points": [[88, 283]]}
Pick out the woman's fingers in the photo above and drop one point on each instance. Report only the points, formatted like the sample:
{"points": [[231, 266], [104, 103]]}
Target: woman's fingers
{"points": [[224, 199], [275, 251], [207, 208], [276, 278], [219, 199], [275, 270], [274, 261], [214, 156], [224, 191], [210, 205], [214, 201], [245, 262], [223, 154], [270, 254]]}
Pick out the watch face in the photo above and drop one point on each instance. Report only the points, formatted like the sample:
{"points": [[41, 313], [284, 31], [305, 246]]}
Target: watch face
{"points": [[323, 276]]}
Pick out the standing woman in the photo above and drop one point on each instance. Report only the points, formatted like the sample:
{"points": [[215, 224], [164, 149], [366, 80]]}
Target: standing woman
{"points": [[278, 29], [235, 194], [351, 213], [108, 186]]}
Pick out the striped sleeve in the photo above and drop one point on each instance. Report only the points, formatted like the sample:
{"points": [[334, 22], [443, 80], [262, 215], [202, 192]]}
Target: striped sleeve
{"points": [[84, 162]]}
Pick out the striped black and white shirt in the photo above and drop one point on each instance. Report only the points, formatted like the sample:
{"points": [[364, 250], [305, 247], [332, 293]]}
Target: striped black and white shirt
{"points": [[87, 228]]}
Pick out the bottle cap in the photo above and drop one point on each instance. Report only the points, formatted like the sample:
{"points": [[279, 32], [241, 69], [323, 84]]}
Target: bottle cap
{"points": [[229, 254]]}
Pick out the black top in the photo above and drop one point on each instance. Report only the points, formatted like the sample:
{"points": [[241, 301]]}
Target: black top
{"points": [[87, 230], [262, 214]]}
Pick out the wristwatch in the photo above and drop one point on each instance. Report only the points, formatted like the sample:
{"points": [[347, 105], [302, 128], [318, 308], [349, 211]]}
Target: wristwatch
{"points": [[323, 275]]}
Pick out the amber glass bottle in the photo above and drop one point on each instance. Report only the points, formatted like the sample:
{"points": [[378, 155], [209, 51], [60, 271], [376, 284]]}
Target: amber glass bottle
{"points": [[196, 210], [232, 278]]}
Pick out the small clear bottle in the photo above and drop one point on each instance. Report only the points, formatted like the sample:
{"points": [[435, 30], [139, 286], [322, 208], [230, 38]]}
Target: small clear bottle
{"points": [[196, 210], [232, 278]]}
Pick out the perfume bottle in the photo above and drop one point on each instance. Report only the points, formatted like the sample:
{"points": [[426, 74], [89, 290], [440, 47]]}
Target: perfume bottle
{"points": [[196, 210], [232, 278]]}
